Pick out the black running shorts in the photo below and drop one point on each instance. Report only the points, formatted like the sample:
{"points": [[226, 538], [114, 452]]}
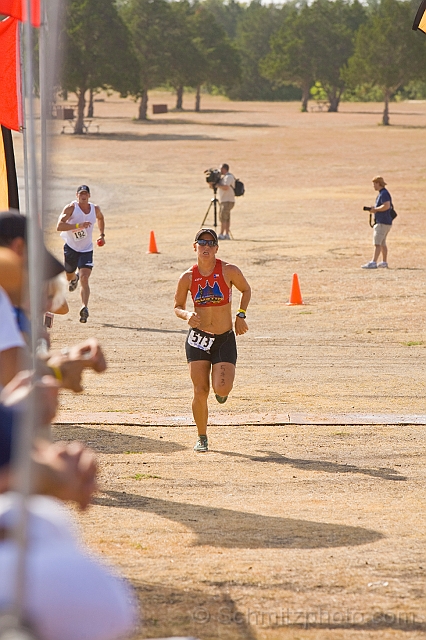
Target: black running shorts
{"points": [[76, 259], [223, 349]]}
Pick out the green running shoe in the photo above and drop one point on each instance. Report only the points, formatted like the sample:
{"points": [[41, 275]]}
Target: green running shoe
{"points": [[202, 445], [221, 399]]}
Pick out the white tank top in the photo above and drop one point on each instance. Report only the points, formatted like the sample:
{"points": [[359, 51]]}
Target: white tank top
{"points": [[80, 239]]}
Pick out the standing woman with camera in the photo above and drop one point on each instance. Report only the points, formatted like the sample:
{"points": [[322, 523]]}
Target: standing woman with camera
{"points": [[383, 223], [210, 344]]}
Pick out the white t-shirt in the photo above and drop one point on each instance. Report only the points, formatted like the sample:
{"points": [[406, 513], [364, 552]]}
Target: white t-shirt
{"points": [[70, 595], [80, 239], [226, 195], [10, 336]]}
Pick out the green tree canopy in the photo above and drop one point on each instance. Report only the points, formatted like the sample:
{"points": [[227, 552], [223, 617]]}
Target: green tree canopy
{"points": [[217, 61], [97, 51], [292, 53], [147, 21], [255, 27], [333, 39], [314, 45], [227, 13], [386, 51], [184, 64]]}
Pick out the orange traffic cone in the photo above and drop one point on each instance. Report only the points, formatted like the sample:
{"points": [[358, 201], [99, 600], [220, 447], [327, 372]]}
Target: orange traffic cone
{"points": [[152, 248], [295, 294]]}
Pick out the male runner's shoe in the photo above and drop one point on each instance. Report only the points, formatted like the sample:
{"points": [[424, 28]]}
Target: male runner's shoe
{"points": [[72, 286], [383, 265], [221, 399], [84, 314], [202, 444], [221, 236], [370, 265]]}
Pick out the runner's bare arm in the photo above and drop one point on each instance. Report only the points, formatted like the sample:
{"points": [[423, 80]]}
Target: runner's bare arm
{"points": [[64, 225], [181, 295], [236, 278], [101, 221]]}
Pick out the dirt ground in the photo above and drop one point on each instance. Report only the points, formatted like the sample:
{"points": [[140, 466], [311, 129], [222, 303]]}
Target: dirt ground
{"points": [[307, 517]]}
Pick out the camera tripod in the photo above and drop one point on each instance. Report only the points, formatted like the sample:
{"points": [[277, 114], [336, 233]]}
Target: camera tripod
{"points": [[213, 202]]}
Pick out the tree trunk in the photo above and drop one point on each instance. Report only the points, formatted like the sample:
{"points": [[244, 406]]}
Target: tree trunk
{"points": [[143, 106], [78, 128], [198, 99], [385, 120], [334, 104], [305, 97], [179, 98], [90, 107]]}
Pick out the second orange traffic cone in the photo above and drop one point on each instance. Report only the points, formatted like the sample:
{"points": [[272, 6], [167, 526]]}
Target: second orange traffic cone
{"points": [[152, 248], [295, 294]]}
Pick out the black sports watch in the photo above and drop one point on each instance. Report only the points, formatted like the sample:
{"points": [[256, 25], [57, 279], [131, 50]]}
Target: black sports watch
{"points": [[241, 314]]}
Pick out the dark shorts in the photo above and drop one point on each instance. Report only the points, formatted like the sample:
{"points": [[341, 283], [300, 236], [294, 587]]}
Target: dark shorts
{"points": [[75, 259], [224, 349]]}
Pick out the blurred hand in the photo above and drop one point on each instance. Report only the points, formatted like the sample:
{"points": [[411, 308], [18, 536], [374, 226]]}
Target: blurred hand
{"points": [[66, 471], [86, 355], [45, 390]]}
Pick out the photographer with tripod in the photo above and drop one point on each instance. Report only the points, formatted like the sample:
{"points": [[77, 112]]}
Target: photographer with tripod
{"points": [[226, 197]]}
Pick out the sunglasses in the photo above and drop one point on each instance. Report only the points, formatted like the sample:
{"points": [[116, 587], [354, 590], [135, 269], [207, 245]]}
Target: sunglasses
{"points": [[209, 243]]}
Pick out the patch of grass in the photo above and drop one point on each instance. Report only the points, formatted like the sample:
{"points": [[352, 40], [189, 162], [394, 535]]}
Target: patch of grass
{"points": [[143, 476], [304, 313], [132, 452], [413, 343]]}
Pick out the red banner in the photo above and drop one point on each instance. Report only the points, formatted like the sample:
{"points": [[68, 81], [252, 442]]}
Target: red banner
{"points": [[18, 9], [10, 76]]}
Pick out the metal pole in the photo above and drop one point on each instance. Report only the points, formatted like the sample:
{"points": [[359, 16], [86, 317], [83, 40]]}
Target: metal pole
{"points": [[24, 124], [29, 422], [44, 104], [14, 620]]}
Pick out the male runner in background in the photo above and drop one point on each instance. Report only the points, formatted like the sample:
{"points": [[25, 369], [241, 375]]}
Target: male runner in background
{"points": [[76, 224], [210, 344]]}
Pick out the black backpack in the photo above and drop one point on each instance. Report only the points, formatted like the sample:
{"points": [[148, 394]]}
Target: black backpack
{"points": [[239, 188]]}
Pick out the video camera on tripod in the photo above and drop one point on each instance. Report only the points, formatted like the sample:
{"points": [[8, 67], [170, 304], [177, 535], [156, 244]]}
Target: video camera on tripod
{"points": [[213, 176]]}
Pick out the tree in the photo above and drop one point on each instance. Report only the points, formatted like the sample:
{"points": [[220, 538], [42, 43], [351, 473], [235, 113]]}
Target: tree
{"points": [[97, 51], [333, 39], [147, 21], [184, 65], [254, 30], [217, 60], [292, 53], [386, 51], [227, 14]]}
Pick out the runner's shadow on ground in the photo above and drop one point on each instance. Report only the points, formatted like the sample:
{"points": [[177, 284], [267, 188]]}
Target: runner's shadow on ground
{"points": [[170, 610], [111, 442], [150, 329], [318, 465], [218, 527]]}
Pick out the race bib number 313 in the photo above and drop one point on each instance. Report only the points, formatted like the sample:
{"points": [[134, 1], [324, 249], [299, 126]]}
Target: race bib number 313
{"points": [[200, 340]]}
